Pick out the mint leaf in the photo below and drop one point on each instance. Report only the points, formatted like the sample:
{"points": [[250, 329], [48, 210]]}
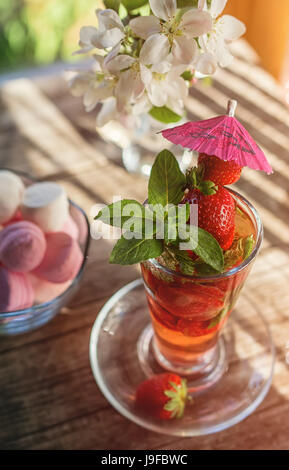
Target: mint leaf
{"points": [[128, 211], [164, 114], [167, 182], [127, 252], [204, 269], [219, 317], [248, 246], [177, 216], [187, 266], [133, 4], [209, 250]]}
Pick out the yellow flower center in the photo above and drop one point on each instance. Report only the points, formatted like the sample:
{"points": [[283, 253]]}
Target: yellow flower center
{"points": [[171, 29], [159, 76]]}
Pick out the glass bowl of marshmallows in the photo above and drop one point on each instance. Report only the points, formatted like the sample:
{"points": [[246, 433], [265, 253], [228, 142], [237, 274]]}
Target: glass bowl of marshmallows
{"points": [[44, 241]]}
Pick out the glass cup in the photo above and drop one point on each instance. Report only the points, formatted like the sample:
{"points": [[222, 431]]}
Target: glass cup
{"points": [[189, 312]]}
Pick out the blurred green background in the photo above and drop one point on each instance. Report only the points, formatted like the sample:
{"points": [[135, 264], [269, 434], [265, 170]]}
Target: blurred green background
{"points": [[38, 32]]}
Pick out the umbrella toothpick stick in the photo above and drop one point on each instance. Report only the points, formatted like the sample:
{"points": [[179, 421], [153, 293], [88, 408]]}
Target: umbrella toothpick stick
{"points": [[223, 137], [232, 105]]}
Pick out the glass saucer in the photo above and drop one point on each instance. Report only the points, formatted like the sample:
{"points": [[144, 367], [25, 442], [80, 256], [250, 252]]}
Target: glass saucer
{"points": [[122, 356]]}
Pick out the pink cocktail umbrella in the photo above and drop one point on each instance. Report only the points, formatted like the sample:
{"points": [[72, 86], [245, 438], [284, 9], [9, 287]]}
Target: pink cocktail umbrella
{"points": [[222, 136]]}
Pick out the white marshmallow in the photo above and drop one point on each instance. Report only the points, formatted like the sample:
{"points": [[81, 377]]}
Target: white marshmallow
{"points": [[46, 205], [11, 192]]}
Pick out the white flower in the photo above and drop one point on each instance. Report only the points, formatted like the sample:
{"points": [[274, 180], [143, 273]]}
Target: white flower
{"points": [[109, 34], [167, 32], [225, 29], [94, 86], [130, 85], [165, 88]]}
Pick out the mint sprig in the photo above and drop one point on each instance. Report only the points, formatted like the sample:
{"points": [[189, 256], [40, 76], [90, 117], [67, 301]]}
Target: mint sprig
{"points": [[132, 251], [167, 182], [167, 223]]}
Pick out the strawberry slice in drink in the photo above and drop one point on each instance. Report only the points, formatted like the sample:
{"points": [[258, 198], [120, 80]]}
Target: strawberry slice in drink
{"points": [[162, 315], [191, 300]]}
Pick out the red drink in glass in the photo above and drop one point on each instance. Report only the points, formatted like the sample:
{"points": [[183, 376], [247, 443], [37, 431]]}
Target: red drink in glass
{"points": [[188, 312]]}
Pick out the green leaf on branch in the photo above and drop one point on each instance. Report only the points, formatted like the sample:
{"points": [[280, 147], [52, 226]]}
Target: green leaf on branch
{"points": [[112, 4], [133, 4], [167, 182], [164, 114], [127, 252], [187, 3]]}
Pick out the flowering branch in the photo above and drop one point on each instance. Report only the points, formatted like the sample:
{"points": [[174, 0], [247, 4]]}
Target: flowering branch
{"points": [[147, 62]]}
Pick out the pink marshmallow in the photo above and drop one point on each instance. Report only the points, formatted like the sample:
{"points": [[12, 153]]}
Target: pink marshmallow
{"points": [[46, 291], [16, 292], [22, 246], [70, 228], [62, 260]]}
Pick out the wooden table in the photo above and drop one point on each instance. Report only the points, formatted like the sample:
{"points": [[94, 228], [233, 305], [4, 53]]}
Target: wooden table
{"points": [[49, 399]]}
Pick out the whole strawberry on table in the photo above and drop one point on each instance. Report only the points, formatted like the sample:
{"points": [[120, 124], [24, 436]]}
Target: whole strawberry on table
{"points": [[185, 306]]}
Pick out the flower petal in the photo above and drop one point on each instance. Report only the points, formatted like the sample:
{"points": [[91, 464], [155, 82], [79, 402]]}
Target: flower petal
{"points": [[141, 106], [128, 88], [230, 28], [119, 63], [176, 86], [96, 93], [206, 64], [107, 113], [163, 67], [145, 26], [146, 74], [164, 9], [84, 50], [108, 19], [217, 6], [196, 22], [85, 35], [99, 62], [222, 53], [184, 50], [79, 84], [155, 49], [157, 94], [108, 38], [113, 53], [202, 5]]}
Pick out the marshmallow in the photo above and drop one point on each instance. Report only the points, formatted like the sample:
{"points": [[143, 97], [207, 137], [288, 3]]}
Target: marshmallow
{"points": [[22, 246], [70, 228], [16, 292], [46, 205], [11, 192], [45, 291], [62, 260]]}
